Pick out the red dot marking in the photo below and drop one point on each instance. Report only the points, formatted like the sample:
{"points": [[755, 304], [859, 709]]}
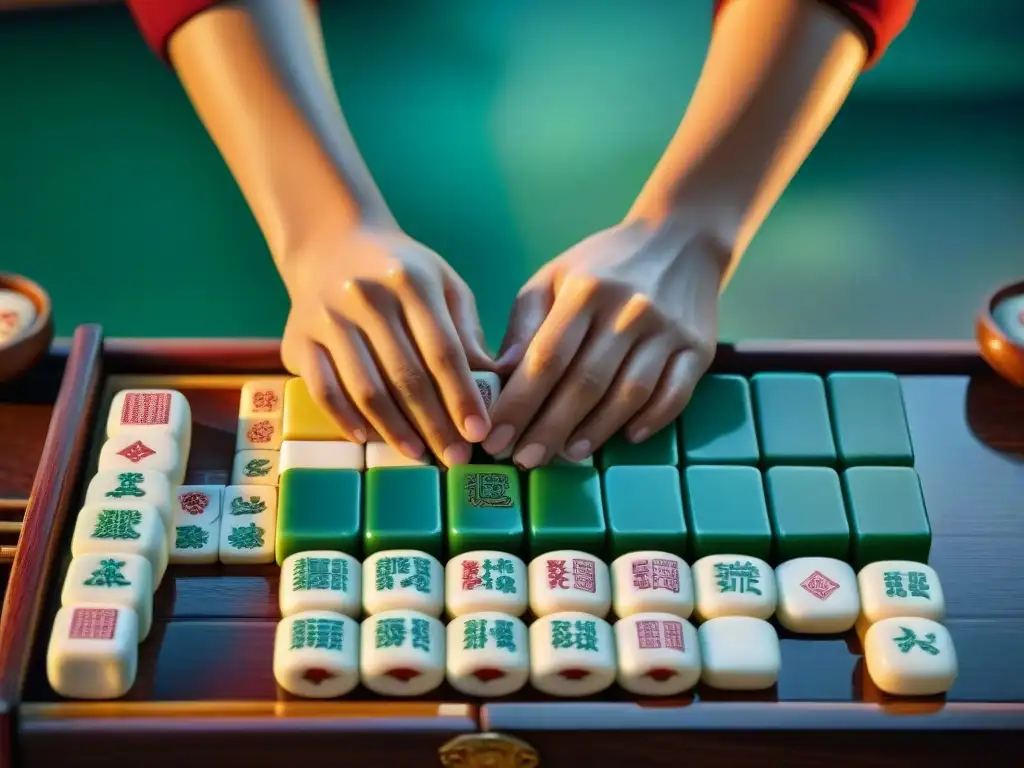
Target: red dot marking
{"points": [[660, 675], [403, 674], [316, 675], [487, 674], [574, 674]]}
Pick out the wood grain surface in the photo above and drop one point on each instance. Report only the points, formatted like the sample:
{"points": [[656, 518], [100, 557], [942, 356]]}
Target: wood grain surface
{"points": [[51, 497], [212, 640]]}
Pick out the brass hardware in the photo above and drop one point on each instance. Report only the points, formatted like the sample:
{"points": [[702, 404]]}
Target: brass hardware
{"points": [[7, 553], [10, 526], [488, 750]]}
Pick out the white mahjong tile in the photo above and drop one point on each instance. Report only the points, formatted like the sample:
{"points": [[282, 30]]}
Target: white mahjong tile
{"points": [[733, 585], [259, 433], [489, 385], [93, 651], [122, 528], [485, 581], [403, 579], [488, 654], [262, 397], [402, 653], [380, 454], [17, 314], [651, 582], [143, 411], [568, 580], [739, 653], [571, 654], [658, 654], [316, 654], [255, 468], [143, 452], [195, 536], [325, 454], [910, 656], [112, 579], [248, 524], [899, 588], [148, 486], [321, 580], [816, 595]]}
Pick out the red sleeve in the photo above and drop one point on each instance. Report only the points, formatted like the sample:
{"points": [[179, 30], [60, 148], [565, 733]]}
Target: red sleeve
{"points": [[879, 21], [159, 19]]}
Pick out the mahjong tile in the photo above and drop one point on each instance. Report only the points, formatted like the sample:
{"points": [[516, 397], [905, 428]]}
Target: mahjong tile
{"points": [[195, 536], [321, 580], [569, 580], [259, 433], [402, 653], [262, 397], [403, 579], [112, 579], [658, 654], [733, 585], [255, 467], [133, 451], [485, 581], [900, 588], [651, 582], [910, 656], [316, 654], [571, 654], [143, 411], [739, 653], [93, 651], [488, 654], [149, 486], [248, 525], [816, 595], [122, 528]]}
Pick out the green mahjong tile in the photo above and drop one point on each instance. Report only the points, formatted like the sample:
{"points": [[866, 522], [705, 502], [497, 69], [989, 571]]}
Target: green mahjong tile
{"points": [[644, 509], [869, 420], [566, 510], [793, 424], [726, 511], [660, 449], [718, 423], [319, 509], [485, 508], [887, 514], [808, 516], [403, 510]]}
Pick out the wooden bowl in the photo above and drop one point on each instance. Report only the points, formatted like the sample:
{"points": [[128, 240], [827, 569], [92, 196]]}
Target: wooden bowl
{"points": [[1000, 345], [24, 351]]}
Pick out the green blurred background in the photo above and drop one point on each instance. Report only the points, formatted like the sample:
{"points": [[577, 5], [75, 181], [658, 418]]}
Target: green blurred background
{"points": [[502, 132]]}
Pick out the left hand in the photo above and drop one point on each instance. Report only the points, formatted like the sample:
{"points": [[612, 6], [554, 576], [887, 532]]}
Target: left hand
{"points": [[615, 332]]}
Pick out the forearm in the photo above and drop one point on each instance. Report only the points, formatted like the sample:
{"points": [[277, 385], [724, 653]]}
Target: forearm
{"points": [[257, 76], [775, 76]]}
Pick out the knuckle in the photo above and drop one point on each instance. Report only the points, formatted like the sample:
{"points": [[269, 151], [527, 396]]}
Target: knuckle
{"points": [[411, 382], [636, 393], [589, 384], [445, 357], [370, 398]]}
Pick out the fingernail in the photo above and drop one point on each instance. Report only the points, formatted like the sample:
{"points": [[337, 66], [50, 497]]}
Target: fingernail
{"points": [[531, 456], [476, 429], [456, 454], [359, 435], [640, 435], [499, 439], [411, 450], [579, 450]]}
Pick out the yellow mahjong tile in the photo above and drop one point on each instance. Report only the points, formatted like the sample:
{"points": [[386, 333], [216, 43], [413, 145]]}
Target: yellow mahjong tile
{"points": [[303, 418]]}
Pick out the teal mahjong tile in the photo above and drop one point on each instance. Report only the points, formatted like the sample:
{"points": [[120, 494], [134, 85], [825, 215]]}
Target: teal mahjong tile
{"points": [[644, 509], [403, 510], [726, 511], [887, 514], [869, 419], [319, 509], [485, 509], [566, 510], [807, 512], [793, 423], [660, 449], [718, 423]]}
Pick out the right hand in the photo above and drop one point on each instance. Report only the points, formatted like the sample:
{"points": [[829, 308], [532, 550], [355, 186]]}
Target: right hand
{"points": [[386, 334]]}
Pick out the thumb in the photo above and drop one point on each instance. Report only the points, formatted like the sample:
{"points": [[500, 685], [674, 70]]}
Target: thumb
{"points": [[466, 319], [528, 313]]}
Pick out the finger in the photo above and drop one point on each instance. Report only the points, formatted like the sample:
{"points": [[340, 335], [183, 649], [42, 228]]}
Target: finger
{"points": [[584, 385], [531, 307], [411, 383], [634, 385], [547, 359], [430, 327], [674, 390], [466, 318], [315, 367], [369, 393]]}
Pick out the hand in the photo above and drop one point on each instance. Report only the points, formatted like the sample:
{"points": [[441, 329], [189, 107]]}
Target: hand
{"points": [[616, 331], [386, 334]]}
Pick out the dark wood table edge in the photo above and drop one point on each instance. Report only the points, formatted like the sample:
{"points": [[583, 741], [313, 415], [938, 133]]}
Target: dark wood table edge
{"points": [[263, 356], [52, 495], [750, 716]]}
